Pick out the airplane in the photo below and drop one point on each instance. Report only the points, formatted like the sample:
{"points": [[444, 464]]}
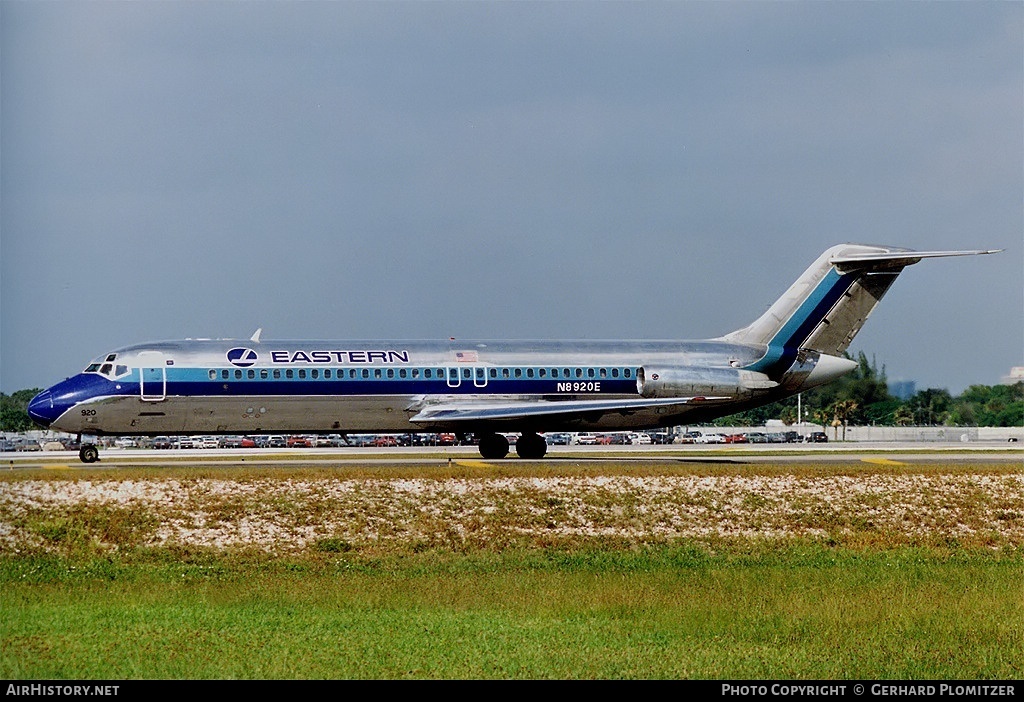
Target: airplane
{"points": [[488, 388]]}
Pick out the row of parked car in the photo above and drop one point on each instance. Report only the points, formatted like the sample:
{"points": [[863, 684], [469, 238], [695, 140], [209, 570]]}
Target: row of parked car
{"points": [[753, 437]]}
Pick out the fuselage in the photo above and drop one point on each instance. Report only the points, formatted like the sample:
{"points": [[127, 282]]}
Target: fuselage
{"points": [[232, 386]]}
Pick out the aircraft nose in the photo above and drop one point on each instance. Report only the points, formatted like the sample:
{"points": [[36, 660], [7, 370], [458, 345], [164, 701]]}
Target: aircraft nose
{"points": [[41, 409]]}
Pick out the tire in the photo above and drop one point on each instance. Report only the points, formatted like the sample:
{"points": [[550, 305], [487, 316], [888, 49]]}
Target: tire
{"points": [[89, 454], [531, 446], [493, 446]]}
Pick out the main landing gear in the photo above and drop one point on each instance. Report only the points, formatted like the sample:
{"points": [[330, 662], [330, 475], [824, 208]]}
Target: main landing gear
{"points": [[529, 445], [88, 453]]}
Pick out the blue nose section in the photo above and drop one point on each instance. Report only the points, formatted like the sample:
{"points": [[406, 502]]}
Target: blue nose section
{"points": [[42, 410]]}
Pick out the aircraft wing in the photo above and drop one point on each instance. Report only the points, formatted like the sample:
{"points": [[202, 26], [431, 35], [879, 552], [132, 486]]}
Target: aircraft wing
{"points": [[466, 412]]}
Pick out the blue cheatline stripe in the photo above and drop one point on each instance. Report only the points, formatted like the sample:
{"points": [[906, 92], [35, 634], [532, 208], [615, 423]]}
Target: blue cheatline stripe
{"points": [[196, 382], [783, 346]]}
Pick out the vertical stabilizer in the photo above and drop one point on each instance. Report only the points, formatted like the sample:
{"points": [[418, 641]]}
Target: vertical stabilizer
{"points": [[827, 305]]}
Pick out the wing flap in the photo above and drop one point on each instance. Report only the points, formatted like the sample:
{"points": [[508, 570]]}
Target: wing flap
{"points": [[522, 409]]}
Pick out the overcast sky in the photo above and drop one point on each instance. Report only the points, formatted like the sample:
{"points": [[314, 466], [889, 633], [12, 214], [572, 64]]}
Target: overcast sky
{"points": [[503, 170]]}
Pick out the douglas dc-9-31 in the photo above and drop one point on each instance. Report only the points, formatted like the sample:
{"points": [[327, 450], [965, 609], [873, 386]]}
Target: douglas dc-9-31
{"points": [[481, 387]]}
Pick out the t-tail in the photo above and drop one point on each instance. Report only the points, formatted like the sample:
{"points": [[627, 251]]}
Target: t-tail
{"points": [[807, 330]]}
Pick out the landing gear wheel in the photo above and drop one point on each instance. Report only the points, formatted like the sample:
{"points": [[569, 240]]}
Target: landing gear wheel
{"points": [[493, 446], [531, 446], [88, 453]]}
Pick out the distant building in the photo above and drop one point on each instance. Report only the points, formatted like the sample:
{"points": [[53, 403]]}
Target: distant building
{"points": [[903, 389], [1016, 376]]}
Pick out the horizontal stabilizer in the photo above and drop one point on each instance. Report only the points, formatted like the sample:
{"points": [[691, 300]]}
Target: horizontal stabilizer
{"points": [[897, 258], [522, 409]]}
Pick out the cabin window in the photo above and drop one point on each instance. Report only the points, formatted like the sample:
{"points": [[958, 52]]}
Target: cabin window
{"points": [[251, 374], [327, 373], [467, 373], [579, 372], [519, 372], [604, 372], [376, 373], [529, 372], [401, 373], [504, 373], [224, 375], [615, 372], [543, 372], [625, 373], [277, 374], [263, 374], [213, 375], [366, 372], [391, 372], [302, 374], [238, 375], [314, 374], [590, 372], [289, 374]]}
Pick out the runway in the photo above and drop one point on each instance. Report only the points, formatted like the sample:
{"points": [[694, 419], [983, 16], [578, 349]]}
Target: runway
{"points": [[873, 452]]}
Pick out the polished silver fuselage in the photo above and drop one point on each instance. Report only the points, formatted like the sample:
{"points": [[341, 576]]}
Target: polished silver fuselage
{"points": [[196, 386]]}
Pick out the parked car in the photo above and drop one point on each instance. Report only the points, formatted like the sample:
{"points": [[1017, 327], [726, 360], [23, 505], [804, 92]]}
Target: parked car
{"points": [[558, 439], [817, 437], [385, 440], [690, 437], [161, 442], [712, 438], [640, 438], [584, 439], [736, 439], [756, 437], [299, 442], [277, 441], [26, 445], [662, 437]]}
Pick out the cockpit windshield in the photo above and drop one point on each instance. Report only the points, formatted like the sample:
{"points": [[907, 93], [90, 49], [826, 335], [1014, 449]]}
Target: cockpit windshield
{"points": [[107, 368]]}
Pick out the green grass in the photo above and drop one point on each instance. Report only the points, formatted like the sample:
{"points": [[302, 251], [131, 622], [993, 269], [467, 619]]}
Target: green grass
{"points": [[796, 612], [89, 594]]}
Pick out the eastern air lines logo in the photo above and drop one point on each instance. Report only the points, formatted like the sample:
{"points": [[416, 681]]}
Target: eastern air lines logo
{"points": [[242, 357]]}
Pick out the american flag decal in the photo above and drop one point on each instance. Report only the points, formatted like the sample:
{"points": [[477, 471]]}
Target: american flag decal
{"points": [[466, 356]]}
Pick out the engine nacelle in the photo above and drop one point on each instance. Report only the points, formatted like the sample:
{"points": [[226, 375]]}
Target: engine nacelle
{"points": [[700, 382]]}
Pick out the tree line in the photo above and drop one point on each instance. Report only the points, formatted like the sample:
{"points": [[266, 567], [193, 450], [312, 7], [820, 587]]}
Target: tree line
{"points": [[862, 398], [859, 398]]}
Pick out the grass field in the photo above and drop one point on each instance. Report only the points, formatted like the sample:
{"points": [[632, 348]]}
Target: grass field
{"points": [[671, 571]]}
